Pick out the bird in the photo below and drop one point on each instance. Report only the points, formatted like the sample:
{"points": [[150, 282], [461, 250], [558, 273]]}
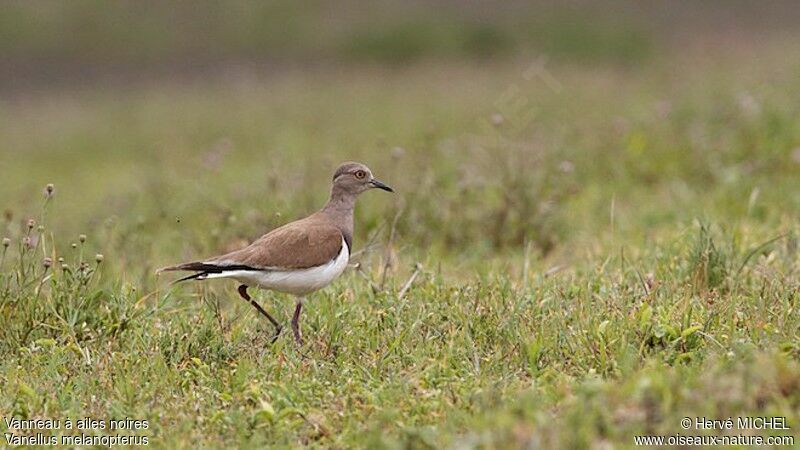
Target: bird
{"points": [[297, 258]]}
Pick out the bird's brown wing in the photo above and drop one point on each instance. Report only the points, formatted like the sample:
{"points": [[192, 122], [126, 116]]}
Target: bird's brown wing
{"points": [[296, 245]]}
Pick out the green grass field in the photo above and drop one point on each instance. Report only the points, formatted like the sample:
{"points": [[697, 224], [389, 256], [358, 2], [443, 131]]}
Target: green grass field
{"points": [[602, 251]]}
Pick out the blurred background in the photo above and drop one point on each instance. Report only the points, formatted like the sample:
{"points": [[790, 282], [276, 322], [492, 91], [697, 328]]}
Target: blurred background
{"points": [[80, 43], [173, 129]]}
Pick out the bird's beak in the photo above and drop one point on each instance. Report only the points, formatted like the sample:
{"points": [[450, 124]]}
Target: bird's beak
{"points": [[377, 184]]}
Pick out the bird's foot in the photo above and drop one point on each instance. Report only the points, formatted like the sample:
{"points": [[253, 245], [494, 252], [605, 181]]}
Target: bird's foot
{"points": [[277, 333]]}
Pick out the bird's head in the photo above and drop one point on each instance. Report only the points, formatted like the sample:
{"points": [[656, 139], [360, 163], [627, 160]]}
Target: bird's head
{"points": [[354, 178]]}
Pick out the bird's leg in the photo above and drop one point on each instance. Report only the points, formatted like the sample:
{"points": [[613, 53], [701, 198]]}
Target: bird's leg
{"points": [[296, 322], [246, 296]]}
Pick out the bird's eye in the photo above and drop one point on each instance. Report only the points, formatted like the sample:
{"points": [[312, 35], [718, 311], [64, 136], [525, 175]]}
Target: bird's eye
{"points": [[360, 174]]}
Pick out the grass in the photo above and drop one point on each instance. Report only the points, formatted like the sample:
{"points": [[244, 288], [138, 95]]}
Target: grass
{"points": [[595, 264]]}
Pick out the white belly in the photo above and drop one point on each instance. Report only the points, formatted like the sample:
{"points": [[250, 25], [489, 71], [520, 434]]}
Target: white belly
{"points": [[298, 282]]}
